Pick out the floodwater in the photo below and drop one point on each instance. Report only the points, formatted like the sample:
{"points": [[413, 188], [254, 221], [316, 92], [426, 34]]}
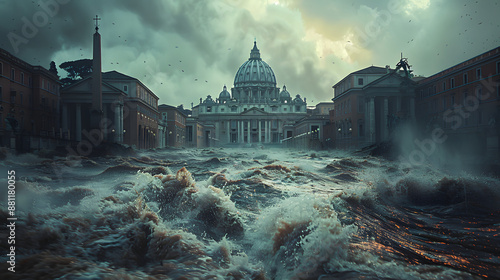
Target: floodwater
{"points": [[248, 213]]}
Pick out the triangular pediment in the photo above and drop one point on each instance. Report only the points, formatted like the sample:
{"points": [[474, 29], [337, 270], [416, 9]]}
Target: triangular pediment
{"points": [[85, 86], [390, 80], [254, 111]]}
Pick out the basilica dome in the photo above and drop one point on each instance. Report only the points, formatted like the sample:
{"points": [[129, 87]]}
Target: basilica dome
{"points": [[224, 94], [284, 94], [255, 72]]}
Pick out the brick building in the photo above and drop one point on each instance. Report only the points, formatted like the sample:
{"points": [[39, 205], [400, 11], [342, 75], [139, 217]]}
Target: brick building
{"points": [[175, 119], [464, 102], [29, 104]]}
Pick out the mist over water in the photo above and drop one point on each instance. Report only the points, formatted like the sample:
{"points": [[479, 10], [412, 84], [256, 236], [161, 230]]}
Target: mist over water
{"points": [[249, 214]]}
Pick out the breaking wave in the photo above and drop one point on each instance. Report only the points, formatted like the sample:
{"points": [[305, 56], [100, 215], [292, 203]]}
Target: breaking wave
{"points": [[249, 214]]}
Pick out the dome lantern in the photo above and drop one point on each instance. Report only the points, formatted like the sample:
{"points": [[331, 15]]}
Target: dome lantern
{"points": [[255, 53]]}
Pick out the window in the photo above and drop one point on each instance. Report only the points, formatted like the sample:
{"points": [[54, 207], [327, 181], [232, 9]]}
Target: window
{"points": [[361, 131], [361, 104], [444, 86], [222, 109], [125, 88], [21, 96], [452, 83], [13, 74], [360, 81], [234, 108], [30, 81], [444, 103], [498, 68], [1, 68], [209, 109], [22, 78], [12, 97], [478, 73], [452, 100], [479, 93], [297, 108], [466, 79]]}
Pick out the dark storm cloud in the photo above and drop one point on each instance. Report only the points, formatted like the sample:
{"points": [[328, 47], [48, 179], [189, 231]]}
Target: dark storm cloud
{"points": [[184, 50]]}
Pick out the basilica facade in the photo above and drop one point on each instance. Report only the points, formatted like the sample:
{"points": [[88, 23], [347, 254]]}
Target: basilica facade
{"points": [[255, 110]]}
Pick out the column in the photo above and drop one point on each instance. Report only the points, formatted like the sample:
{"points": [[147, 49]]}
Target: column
{"points": [[279, 130], [260, 131], [270, 131], [249, 132], [65, 120], [78, 130], [104, 120], [238, 134], [117, 124], [242, 132], [228, 131], [372, 119], [217, 131], [121, 123], [266, 127], [367, 121], [412, 108], [385, 112]]}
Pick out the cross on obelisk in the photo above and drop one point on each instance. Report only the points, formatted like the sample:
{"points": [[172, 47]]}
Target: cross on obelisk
{"points": [[96, 22]]}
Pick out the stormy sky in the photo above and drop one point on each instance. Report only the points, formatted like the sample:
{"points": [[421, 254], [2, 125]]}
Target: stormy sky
{"points": [[184, 50]]}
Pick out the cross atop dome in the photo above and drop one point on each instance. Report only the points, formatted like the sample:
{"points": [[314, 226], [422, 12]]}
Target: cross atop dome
{"points": [[255, 53]]}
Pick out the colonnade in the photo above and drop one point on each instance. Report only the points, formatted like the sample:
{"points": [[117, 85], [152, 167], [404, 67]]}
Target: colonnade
{"points": [[245, 134], [116, 127]]}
